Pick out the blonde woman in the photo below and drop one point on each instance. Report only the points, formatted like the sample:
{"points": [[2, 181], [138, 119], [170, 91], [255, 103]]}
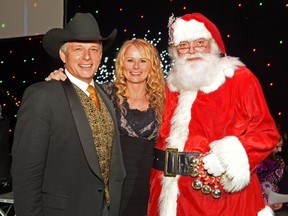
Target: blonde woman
{"points": [[138, 95]]}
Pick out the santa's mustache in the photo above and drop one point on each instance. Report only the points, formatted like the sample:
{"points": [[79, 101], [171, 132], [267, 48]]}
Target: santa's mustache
{"points": [[194, 56], [201, 57]]}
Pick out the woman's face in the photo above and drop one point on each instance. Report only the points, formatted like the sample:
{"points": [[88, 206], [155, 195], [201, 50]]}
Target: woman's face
{"points": [[136, 66]]}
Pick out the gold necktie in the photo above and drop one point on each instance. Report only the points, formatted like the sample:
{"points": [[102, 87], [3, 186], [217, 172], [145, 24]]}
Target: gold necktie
{"points": [[93, 95]]}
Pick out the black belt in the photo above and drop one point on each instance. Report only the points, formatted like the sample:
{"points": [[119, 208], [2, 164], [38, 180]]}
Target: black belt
{"points": [[172, 162]]}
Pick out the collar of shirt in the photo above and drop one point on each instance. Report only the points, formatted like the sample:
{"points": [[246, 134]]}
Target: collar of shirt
{"points": [[82, 85]]}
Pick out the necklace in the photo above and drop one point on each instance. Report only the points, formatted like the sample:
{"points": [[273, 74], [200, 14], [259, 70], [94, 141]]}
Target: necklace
{"points": [[138, 103]]}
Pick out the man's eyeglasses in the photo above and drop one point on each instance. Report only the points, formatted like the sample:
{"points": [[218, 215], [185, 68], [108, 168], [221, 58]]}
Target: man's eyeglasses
{"points": [[198, 45]]}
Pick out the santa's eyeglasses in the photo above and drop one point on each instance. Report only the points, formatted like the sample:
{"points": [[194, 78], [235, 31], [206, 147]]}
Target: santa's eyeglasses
{"points": [[198, 45]]}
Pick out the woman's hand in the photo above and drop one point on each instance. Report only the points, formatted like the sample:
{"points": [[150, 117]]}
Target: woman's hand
{"points": [[57, 75], [276, 207]]}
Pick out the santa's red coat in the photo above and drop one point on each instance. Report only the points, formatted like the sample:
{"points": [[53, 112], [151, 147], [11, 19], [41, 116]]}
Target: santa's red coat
{"points": [[238, 109]]}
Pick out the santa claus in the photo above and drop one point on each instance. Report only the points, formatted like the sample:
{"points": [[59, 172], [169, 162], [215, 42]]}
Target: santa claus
{"points": [[216, 129]]}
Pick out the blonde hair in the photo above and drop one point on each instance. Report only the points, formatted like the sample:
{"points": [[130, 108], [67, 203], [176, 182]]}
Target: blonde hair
{"points": [[155, 80]]}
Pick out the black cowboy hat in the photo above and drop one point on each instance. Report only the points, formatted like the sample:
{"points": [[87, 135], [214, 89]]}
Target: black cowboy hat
{"points": [[82, 27]]}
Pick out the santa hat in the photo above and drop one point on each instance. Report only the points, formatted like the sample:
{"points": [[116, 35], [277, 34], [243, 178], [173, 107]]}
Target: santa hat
{"points": [[193, 26]]}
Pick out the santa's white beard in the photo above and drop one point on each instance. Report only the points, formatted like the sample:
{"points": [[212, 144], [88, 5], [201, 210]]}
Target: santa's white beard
{"points": [[193, 75]]}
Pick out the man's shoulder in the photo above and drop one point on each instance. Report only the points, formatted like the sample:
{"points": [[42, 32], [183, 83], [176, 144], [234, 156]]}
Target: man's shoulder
{"points": [[244, 79], [243, 72], [46, 84], [52, 87]]}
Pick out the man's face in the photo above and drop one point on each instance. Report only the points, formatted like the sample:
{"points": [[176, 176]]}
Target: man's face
{"points": [[82, 59], [200, 45]]}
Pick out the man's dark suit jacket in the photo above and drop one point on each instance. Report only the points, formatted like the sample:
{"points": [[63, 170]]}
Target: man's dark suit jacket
{"points": [[55, 167]]}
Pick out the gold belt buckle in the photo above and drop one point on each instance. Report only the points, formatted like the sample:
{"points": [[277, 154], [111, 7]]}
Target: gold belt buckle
{"points": [[174, 172]]}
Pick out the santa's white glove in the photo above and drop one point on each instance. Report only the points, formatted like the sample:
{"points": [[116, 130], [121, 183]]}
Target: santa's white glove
{"points": [[212, 165]]}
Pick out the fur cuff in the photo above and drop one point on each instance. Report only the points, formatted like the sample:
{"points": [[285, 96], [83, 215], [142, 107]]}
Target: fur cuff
{"points": [[234, 159], [267, 211]]}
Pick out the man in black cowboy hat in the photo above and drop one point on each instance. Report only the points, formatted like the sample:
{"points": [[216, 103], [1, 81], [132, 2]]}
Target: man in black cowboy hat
{"points": [[66, 152]]}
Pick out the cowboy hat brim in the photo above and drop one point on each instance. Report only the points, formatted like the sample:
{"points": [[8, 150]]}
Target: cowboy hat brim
{"points": [[83, 27], [55, 38]]}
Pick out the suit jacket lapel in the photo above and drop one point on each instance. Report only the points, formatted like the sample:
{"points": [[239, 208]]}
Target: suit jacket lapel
{"points": [[82, 126], [108, 103]]}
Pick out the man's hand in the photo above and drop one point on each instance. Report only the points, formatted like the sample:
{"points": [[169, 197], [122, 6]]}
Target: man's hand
{"points": [[212, 165], [57, 75]]}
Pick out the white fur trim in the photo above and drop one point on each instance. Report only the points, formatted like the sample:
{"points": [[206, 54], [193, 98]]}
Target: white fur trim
{"points": [[226, 68], [267, 211], [188, 30], [177, 139], [180, 121], [234, 159], [168, 196]]}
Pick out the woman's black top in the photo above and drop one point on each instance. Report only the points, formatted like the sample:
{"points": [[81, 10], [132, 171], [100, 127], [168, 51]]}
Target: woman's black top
{"points": [[138, 132]]}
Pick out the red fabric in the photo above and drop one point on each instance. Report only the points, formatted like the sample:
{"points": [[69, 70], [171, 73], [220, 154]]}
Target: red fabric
{"points": [[212, 28], [237, 108]]}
